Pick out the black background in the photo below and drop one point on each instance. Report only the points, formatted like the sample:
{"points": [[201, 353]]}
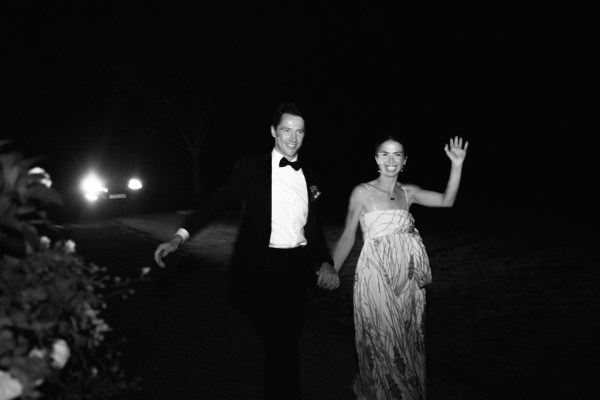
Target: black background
{"points": [[84, 80]]}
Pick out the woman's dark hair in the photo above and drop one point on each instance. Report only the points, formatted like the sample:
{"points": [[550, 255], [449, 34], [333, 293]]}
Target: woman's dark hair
{"points": [[388, 137], [284, 108]]}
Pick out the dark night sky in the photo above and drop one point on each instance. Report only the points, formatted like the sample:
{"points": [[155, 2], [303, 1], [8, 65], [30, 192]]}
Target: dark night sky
{"points": [[83, 81]]}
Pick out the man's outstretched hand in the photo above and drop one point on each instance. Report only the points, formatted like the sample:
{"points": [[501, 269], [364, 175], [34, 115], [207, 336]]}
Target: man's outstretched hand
{"points": [[166, 248]]}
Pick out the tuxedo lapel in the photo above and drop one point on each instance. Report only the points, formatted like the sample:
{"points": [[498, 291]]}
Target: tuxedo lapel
{"points": [[311, 181], [308, 176]]}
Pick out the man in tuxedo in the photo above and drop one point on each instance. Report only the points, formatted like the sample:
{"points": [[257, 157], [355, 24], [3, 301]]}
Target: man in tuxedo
{"points": [[279, 247]]}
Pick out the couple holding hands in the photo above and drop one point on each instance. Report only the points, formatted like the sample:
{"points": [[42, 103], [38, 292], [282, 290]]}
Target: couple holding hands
{"points": [[280, 244]]}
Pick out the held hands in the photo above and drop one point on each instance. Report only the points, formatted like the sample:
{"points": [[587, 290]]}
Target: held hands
{"points": [[328, 277], [456, 152], [166, 248]]}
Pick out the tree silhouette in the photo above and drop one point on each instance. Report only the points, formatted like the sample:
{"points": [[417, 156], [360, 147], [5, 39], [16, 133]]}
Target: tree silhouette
{"points": [[190, 115]]}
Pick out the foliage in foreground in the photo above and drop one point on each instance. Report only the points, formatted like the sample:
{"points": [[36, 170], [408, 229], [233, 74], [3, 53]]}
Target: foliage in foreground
{"points": [[52, 335]]}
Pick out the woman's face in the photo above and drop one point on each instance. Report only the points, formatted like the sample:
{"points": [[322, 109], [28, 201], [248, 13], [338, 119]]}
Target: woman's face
{"points": [[390, 158]]}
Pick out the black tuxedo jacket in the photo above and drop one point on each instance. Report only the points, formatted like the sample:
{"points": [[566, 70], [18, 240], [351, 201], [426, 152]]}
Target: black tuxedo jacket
{"points": [[250, 184]]}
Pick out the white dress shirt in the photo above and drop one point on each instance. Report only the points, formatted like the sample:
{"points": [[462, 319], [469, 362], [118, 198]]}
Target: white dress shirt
{"points": [[289, 206]]}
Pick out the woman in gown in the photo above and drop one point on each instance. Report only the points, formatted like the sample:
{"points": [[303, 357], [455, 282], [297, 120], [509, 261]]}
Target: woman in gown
{"points": [[391, 274]]}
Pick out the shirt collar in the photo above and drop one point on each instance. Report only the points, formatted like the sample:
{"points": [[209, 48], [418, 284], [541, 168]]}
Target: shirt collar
{"points": [[276, 156]]}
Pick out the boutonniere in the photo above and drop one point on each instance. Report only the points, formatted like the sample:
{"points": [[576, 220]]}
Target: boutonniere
{"points": [[314, 193]]}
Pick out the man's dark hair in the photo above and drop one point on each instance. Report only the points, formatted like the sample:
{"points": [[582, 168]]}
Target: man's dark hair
{"points": [[285, 108]]}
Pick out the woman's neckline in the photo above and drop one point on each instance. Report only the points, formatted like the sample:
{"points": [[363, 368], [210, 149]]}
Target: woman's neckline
{"points": [[392, 196], [387, 209]]}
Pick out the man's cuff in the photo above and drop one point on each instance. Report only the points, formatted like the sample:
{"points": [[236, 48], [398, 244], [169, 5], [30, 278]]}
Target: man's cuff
{"points": [[183, 233]]}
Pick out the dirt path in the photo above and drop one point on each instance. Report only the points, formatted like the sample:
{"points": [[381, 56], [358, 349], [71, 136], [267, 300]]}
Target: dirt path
{"points": [[509, 316], [186, 343]]}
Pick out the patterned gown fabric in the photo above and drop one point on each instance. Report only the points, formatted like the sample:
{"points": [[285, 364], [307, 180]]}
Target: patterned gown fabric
{"points": [[389, 306]]}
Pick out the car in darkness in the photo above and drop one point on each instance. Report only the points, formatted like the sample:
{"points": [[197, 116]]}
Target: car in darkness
{"points": [[105, 191], [96, 187]]}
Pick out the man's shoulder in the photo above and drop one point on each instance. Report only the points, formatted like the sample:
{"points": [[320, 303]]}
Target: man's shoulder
{"points": [[313, 164]]}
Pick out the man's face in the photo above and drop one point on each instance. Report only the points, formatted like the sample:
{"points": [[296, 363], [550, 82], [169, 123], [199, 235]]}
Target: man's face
{"points": [[288, 135]]}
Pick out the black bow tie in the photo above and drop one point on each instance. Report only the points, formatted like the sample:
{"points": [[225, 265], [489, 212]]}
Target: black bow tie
{"points": [[294, 164]]}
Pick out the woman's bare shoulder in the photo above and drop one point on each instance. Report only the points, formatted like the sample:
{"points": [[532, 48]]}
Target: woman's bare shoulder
{"points": [[411, 188], [360, 193], [364, 187]]}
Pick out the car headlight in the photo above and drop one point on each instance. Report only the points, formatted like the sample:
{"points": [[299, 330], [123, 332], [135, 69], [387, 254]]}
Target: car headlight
{"points": [[92, 187], [134, 184], [90, 196]]}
